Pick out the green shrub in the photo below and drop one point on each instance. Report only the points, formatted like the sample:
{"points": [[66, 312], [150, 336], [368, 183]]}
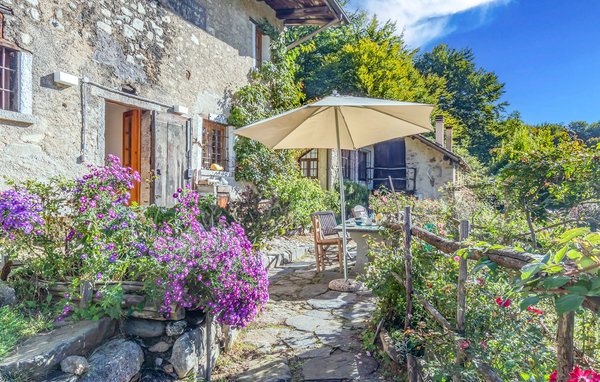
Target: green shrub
{"points": [[303, 196], [355, 194]]}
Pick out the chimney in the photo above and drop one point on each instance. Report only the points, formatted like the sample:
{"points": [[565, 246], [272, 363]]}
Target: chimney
{"points": [[439, 129], [449, 137]]}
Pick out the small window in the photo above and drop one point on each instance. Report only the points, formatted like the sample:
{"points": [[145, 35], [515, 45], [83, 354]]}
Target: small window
{"points": [[9, 79], [258, 46], [309, 164], [347, 164], [214, 148], [363, 158]]}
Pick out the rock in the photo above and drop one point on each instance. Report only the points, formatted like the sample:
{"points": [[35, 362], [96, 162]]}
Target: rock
{"points": [[160, 347], [297, 339], [332, 300], [7, 295], [342, 285], [341, 365], [262, 339], [274, 370], [116, 361], [74, 365], [344, 339], [168, 368], [175, 328], [186, 351], [41, 353], [143, 328], [62, 377], [313, 290], [313, 324], [314, 353], [195, 317], [158, 361]]}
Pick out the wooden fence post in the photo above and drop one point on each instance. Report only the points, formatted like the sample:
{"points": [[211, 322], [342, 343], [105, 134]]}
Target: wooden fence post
{"points": [[411, 362], [564, 345], [461, 303], [408, 267]]}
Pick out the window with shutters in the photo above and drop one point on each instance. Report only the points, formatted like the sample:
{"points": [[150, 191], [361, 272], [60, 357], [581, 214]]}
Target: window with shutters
{"points": [[214, 148], [363, 159], [309, 164], [347, 164], [9, 79]]}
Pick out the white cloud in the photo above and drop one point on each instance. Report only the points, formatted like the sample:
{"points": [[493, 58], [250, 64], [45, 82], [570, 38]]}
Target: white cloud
{"points": [[426, 20]]}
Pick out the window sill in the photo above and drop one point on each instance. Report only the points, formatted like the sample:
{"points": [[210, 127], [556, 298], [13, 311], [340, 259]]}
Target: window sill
{"points": [[18, 118], [219, 174]]}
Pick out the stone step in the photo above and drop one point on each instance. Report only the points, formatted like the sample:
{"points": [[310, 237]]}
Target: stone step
{"points": [[38, 355]]}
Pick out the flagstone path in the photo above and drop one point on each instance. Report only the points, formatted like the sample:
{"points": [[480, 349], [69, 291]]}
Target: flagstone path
{"points": [[306, 332]]}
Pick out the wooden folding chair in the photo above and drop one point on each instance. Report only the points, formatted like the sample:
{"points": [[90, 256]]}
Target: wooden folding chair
{"points": [[328, 243]]}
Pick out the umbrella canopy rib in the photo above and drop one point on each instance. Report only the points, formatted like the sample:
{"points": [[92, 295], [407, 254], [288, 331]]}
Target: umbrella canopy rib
{"points": [[317, 111], [347, 128]]}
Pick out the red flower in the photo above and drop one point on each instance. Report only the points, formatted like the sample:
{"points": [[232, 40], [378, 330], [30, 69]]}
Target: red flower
{"points": [[579, 375], [456, 258], [466, 344], [480, 281], [503, 303], [534, 310]]}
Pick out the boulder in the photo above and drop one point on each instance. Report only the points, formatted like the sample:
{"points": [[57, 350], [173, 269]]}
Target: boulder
{"points": [[186, 352], [7, 295], [144, 328], [43, 352], [74, 365], [116, 361], [160, 347], [175, 328]]}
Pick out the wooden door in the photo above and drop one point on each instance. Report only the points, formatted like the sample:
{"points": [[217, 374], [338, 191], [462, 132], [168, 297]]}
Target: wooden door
{"points": [[131, 147], [389, 159], [172, 156]]}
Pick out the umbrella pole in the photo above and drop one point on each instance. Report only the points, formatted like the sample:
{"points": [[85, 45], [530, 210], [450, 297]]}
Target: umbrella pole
{"points": [[342, 198]]}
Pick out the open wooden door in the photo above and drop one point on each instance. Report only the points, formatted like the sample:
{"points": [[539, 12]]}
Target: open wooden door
{"points": [[172, 156], [131, 147]]}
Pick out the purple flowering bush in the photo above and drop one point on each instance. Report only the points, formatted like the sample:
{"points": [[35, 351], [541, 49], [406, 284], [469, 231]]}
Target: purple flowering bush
{"points": [[86, 231], [211, 269]]}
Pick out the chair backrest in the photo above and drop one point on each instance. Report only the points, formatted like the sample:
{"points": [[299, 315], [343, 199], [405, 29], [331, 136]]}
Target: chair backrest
{"points": [[359, 212], [326, 221]]}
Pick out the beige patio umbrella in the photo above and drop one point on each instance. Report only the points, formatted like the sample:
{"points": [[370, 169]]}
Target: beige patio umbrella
{"points": [[341, 122]]}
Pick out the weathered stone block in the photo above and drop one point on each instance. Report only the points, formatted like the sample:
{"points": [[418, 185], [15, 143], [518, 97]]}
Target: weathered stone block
{"points": [[116, 361]]}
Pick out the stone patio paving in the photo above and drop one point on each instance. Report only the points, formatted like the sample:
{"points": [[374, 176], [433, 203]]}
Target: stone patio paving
{"points": [[306, 332]]}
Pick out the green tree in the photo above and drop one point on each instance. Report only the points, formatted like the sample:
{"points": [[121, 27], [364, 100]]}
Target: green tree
{"points": [[272, 90], [475, 97]]}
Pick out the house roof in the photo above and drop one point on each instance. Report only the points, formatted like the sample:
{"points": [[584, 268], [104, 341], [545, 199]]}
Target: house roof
{"points": [[308, 12], [447, 153]]}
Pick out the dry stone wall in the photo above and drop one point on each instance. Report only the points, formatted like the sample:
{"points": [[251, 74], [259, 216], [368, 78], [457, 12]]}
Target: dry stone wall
{"points": [[194, 53]]}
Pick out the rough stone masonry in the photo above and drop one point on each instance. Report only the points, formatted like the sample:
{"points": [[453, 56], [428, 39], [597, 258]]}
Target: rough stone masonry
{"points": [[187, 52]]}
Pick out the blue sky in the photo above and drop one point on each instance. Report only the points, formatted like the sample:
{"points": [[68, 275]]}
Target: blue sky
{"points": [[546, 51]]}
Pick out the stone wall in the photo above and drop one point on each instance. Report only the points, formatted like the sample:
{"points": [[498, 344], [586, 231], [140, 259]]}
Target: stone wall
{"points": [[432, 170], [194, 53], [132, 350]]}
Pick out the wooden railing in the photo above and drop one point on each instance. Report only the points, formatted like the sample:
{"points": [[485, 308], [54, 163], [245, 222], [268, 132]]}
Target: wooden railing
{"points": [[503, 257]]}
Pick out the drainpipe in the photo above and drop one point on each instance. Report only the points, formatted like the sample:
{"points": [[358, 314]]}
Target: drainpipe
{"points": [[84, 82]]}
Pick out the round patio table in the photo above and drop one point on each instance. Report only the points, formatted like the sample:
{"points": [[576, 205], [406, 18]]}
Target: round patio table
{"points": [[360, 234]]}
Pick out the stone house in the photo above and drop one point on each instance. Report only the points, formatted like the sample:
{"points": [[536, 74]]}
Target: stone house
{"points": [[149, 81], [417, 165]]}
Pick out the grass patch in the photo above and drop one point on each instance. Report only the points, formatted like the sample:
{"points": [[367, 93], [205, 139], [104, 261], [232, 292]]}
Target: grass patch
{"points": [[18, 323]]}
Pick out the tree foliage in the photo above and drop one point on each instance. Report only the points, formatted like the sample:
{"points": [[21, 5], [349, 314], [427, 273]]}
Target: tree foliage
{"points": [[272, 90], [474, 97]]}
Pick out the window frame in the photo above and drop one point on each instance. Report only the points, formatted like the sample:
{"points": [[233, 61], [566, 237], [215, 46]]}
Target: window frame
{"points": [[312, 163], [363, 162], [214, 144]]}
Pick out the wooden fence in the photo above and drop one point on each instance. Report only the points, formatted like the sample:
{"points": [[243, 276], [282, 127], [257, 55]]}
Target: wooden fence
{"points": [[504, 257]]}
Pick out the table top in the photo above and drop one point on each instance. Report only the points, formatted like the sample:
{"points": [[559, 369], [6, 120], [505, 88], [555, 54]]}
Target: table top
{"points": [[358, 228]]}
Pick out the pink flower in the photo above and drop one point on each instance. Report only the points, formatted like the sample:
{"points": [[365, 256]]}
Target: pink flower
{"points": [[466, 344], [503, 303], [534, 310], [456, 258]]}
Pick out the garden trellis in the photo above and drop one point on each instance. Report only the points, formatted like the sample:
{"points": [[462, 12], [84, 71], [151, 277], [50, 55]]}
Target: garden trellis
{"points": [[507, 258]]}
